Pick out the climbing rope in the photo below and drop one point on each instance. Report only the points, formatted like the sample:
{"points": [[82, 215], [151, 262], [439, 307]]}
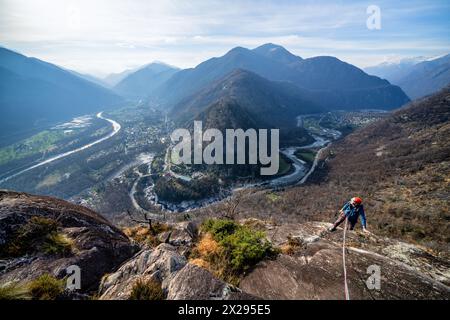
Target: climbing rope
{"points": [[347, 296]]}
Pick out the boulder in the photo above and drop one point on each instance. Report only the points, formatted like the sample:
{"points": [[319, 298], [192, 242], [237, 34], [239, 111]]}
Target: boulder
{"points": [[193, 282], [98, 246], [182, 234], [160, 264]]}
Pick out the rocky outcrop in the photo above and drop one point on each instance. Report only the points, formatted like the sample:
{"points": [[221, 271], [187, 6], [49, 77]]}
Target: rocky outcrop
{"points": [[98, 246], [160, 264], [309, 266], [183, 234], [313, 269], [196, 283], [179, 280]]}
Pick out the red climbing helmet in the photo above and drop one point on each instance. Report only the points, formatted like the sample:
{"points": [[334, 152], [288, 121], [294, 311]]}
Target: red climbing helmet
{"points": [[356, 200]]}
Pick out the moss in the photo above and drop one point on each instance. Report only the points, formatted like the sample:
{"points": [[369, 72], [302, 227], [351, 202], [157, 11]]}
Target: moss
{"points": [[146, 290], [46, 287]]}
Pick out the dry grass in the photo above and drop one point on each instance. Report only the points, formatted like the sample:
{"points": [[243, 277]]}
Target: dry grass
{"points": [[144, 235], [146, 290], [207, 246], [199, 262]]}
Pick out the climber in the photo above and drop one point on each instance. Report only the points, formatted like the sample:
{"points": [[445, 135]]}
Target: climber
{"points": [[351, 210]]}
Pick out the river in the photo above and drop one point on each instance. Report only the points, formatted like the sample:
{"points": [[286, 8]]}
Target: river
{"points": [[115, 126]]}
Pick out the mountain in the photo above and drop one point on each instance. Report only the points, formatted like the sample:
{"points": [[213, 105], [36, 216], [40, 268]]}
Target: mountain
{"points": [[418, 77], [394, 70], [90, 78], [275, 103], [228, 114], [142, 82], [188, 81], [277, 53], [346, 85], [114, 78], [426, 77], [34, 92]]}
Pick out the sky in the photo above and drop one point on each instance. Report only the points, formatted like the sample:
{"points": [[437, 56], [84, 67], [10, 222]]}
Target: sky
{"points": [[108, 36]]}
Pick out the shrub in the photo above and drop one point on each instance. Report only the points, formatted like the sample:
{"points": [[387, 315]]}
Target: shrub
{"points": [[228, 249], [146, 290], [245, 248], [46, 287], [220, 228]]}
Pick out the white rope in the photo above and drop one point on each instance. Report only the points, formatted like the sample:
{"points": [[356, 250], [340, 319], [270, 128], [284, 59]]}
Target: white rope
{"points": [[347, 296]]}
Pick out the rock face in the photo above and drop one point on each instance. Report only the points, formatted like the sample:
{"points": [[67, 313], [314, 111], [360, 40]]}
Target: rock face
{"points": [[314, 269], [98, 246], [160, 264], [179, 280], [193, 282], [309, 267]]}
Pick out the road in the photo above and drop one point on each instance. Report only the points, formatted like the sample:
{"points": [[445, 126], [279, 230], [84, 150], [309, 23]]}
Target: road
{"points": [[115, 126]]}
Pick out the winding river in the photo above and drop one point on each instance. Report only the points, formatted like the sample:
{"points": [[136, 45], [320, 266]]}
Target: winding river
{"points": [[115, 126]]}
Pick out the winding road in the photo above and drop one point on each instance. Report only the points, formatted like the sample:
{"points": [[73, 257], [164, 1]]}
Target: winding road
{"points": [[115, 126]]}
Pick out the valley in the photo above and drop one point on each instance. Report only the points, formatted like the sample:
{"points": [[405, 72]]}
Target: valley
{"points": [[125, 153]]}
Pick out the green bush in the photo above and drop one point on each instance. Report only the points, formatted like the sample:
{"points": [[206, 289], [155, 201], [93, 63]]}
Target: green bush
{"points": [[245, 248], [220, 228], [146, 290], [46, 287], [241, 247]]}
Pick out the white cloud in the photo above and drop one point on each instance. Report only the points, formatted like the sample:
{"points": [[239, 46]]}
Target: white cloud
{"points": [[101, 36]]}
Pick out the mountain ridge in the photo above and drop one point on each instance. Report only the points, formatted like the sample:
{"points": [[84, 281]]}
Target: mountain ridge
{"points": [[344, 85], [53, 93]]}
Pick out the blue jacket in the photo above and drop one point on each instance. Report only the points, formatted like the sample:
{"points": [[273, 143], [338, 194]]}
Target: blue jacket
{"points": [[353, 213]]}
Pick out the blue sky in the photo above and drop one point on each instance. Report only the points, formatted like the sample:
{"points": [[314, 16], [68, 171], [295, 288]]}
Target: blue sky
{"points": [[103, 36]]}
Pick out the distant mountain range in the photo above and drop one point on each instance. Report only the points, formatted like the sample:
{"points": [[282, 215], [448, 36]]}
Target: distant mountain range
{"points": [[341, 85], [114, 78], [34, 92], [418, 77], [394, 69], [142, 82], [270, 83]]}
